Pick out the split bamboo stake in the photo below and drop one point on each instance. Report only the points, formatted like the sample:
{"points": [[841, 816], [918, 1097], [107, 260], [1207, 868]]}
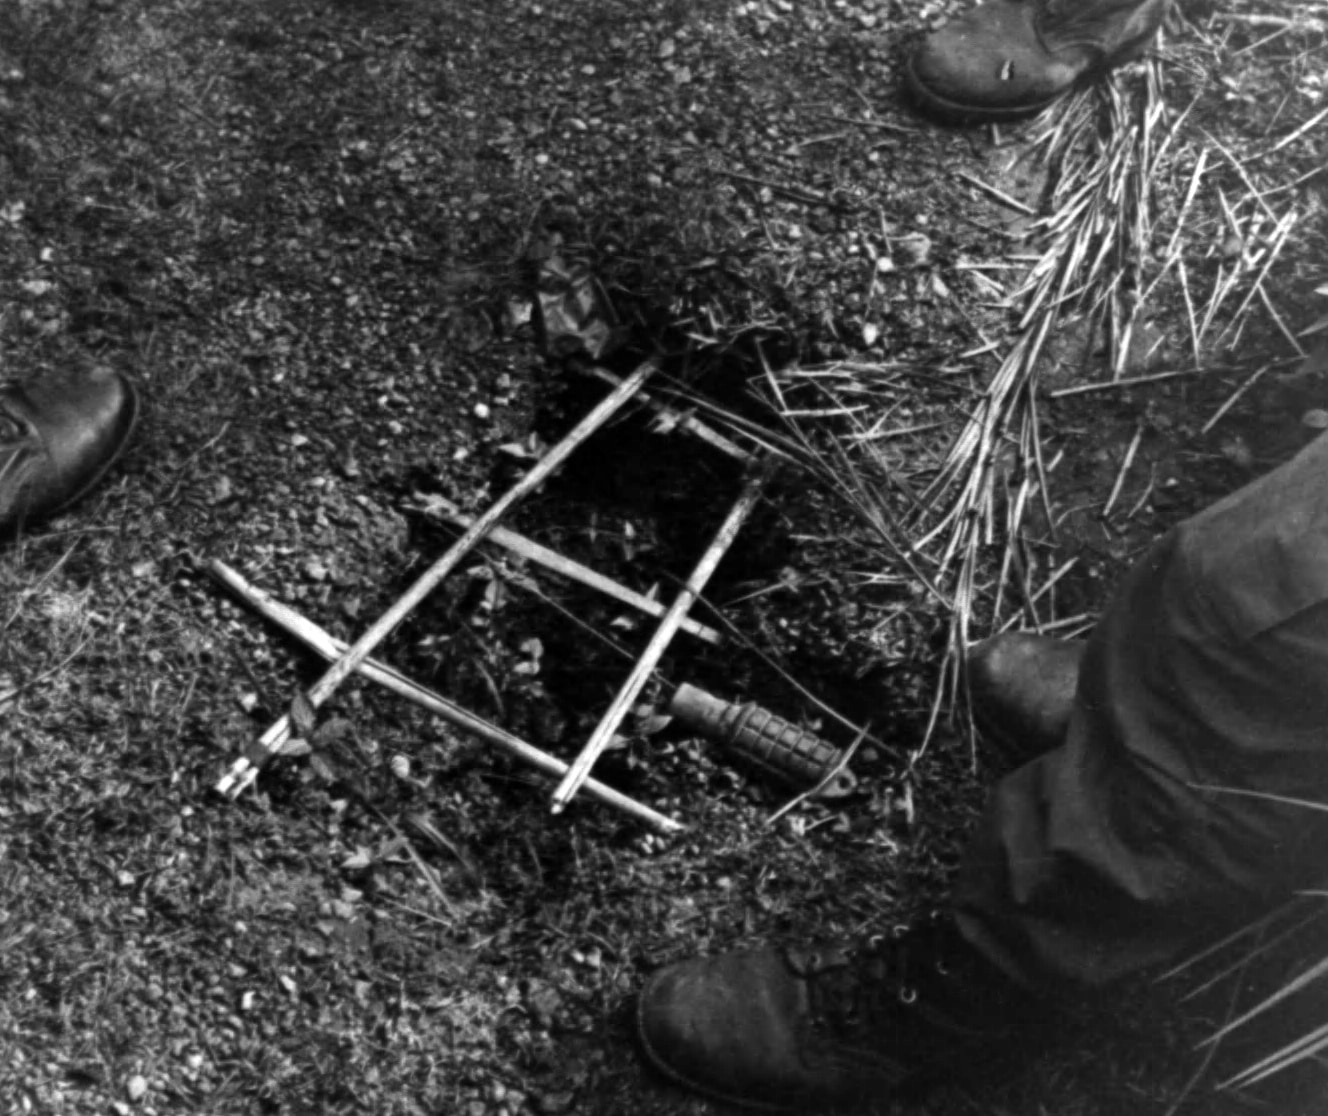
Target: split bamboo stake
{"points": [[690, 423], [668, 626], [327, 645], [551, 559], [245, 770]]}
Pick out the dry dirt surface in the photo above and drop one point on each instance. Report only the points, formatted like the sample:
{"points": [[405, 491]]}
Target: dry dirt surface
{"points": [[310, 231]]}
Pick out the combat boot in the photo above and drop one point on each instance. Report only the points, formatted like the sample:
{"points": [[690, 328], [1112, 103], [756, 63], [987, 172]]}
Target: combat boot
{"points": [[58, 436], [799, 1030], [1007, 59]]}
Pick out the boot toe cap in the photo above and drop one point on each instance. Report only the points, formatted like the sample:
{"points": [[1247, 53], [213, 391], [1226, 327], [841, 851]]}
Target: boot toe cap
{"points": [[988, 65], [67, 430], [721, 1026]]}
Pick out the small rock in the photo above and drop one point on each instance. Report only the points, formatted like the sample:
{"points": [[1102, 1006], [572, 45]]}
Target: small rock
{"points": [[550, 1104], [915, 249], [543, 1002], [136, 1087]]}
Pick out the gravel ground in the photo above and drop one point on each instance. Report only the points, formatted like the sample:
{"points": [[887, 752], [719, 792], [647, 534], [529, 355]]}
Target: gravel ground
{"points": [[305, 229]]}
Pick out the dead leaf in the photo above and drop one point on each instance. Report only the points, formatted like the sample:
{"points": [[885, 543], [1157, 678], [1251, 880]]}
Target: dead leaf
{"points": [[321, 769], [302, 714], [358, 861], [296, 746]]}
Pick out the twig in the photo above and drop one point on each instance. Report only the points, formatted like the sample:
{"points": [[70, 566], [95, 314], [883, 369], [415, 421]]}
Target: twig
{"points": [[1066, 622], [329, 647], [1279, 238], [1042, 591], [812, 140], [897, 432], [1280, 22], [794, 192], [1313, 122], [689, 423], [603, 733], [9, 695], [425, 870], [182, 471], [1112, 385], [33, 590], [999, 195], [826, 780], [1231, 399], [552, 560], [1184, 274], [1278, 321], [245, 770], [1147, 492], [884, 125], [1124, 469], [1172, 255]]}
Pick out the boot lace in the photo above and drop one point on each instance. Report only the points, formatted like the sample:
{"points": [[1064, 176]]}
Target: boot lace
{"points": [[860, 989]]}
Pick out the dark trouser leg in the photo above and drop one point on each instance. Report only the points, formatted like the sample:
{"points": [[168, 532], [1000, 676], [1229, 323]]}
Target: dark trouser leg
{"points": [[1209, 670]]}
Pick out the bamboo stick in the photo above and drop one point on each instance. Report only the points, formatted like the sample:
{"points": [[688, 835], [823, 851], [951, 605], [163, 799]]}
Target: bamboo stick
{"points": [[552, 560], [687, 422], [245, 770], [1124, 469], [999, 195], [1114, 385], [330, 648], [668, 626]]}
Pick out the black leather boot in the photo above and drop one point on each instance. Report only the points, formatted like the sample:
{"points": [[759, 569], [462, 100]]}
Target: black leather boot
{"points": [[1006, 59], [58, 436], [801, 1030]]}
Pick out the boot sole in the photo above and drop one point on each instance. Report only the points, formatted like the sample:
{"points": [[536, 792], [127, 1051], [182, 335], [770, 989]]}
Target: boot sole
{"points": [[955, 112]]}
